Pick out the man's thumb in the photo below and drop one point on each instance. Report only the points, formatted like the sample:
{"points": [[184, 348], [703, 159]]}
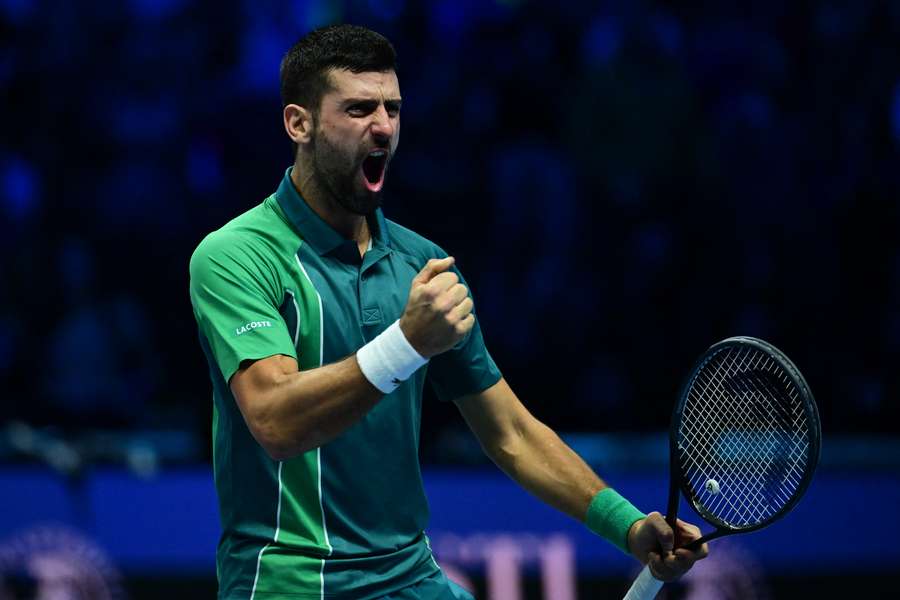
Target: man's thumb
{"points": [[432, 268]]}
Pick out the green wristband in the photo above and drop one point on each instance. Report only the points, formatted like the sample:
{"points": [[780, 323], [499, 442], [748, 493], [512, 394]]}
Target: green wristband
{"points": [[611, 516]]}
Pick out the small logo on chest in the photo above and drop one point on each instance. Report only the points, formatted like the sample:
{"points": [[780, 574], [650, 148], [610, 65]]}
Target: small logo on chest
{"points": [[371, 316]]}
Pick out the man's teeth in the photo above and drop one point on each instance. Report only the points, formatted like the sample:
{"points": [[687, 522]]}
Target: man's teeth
{"points": [[378, 153]]}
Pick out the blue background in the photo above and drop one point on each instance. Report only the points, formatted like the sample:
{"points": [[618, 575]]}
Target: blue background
{"points": [[166, 525]]}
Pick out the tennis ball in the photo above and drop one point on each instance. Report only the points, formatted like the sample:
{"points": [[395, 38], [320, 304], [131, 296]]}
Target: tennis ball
{"points": [[712, 486]]}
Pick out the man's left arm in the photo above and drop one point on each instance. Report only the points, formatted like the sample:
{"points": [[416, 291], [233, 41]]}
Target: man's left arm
{"points": [[536, 458]]}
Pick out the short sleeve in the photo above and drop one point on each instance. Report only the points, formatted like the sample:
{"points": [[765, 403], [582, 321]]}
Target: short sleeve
{"points": [[465, 369], [236, 302]]}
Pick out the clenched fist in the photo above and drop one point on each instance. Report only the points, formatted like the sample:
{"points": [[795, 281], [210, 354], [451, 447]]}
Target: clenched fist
{"points": [[653, 542], [438, 313]]}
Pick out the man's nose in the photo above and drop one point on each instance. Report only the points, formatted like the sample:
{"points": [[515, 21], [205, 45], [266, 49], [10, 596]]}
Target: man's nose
{"points": [[382, 126]]}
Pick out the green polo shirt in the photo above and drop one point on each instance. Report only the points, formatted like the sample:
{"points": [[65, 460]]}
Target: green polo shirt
{"points": [[346, 519]]}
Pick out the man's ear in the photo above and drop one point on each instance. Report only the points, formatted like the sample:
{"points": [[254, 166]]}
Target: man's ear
{"points": [[298, 123]]}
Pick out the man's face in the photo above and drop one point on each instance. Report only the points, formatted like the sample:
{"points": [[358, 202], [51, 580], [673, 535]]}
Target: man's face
{"points": [[355, 137]]}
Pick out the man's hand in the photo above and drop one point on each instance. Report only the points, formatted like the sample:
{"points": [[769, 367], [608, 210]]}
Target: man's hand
{"points": [[651, 541], [438, 313]]}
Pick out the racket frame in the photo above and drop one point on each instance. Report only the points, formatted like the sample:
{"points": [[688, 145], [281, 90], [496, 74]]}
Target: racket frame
{"points": [[678, 485]]}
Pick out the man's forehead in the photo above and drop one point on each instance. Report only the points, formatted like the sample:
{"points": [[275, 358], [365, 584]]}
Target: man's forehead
{"points": [[376, 84]]}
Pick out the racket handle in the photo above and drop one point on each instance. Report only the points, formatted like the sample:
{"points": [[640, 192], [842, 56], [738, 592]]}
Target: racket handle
{"points": [[645, 587]]}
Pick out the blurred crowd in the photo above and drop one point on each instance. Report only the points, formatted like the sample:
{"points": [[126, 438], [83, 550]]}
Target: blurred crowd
{"points": [[622, 183]]}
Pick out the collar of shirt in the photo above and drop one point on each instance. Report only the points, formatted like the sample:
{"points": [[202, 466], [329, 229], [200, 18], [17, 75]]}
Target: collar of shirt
{"points": [[319, 234]]}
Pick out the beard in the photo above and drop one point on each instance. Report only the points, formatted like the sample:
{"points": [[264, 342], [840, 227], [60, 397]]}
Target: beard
{"points": [[336, 171]]}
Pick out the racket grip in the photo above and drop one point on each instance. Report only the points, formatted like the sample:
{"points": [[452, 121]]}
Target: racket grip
{"points": [[645, 587]]}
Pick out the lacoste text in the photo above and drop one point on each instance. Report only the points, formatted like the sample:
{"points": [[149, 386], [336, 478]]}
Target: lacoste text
{"points": [[252, 325]]}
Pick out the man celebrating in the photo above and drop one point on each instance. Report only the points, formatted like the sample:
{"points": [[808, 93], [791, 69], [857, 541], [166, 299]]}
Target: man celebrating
{"points": [[321, 321]]}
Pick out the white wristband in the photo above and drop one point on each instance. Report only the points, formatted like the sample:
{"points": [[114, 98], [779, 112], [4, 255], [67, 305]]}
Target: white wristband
{"points": [[389, 359]]}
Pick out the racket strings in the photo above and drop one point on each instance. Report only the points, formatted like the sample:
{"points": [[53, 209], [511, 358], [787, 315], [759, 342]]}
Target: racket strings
{"points": [[744, 427], [735, 503], [753, 499], [758, 468]]}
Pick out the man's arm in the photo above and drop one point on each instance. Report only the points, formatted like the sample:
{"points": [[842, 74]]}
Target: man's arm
{"points": [[535, 457], [290, 411]]}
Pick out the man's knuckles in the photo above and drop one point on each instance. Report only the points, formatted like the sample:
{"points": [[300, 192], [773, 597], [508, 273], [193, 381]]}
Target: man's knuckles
{"points": [[464, 326], [428, 294], [425, 294], [460, 292], [446, 301], [444, 280]]}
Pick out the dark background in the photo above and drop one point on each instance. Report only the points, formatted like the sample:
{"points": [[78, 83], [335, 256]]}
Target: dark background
{"points": [[622, 186], [622, 183]]}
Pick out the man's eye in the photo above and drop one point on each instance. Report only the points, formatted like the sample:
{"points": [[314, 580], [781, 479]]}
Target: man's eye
{"points": [[359, 110]]}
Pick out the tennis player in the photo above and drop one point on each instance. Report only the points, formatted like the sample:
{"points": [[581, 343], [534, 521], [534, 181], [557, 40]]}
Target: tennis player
{"points": [[321, 321]]}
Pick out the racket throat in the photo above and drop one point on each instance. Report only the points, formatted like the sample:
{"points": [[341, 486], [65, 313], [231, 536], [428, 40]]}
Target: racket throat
{"points": [[703, 539]]}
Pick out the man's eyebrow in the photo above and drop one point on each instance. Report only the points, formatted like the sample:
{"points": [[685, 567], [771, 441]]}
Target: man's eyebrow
{"points": [[371, 101]]}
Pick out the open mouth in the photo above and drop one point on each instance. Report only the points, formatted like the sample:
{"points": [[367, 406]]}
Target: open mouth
{"points": [[373, 168]]}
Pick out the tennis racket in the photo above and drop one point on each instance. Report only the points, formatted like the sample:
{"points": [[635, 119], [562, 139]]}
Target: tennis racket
{"points": [[744, 443]]}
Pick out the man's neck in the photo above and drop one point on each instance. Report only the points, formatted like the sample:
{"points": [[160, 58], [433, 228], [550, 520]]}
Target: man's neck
{"points": [[350, 225]]}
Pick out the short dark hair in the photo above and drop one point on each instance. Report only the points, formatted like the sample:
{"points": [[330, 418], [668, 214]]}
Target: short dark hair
{"points": [[304, 69]]}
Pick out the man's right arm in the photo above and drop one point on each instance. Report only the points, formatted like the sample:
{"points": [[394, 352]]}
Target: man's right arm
{"points": [[290, 411]]}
